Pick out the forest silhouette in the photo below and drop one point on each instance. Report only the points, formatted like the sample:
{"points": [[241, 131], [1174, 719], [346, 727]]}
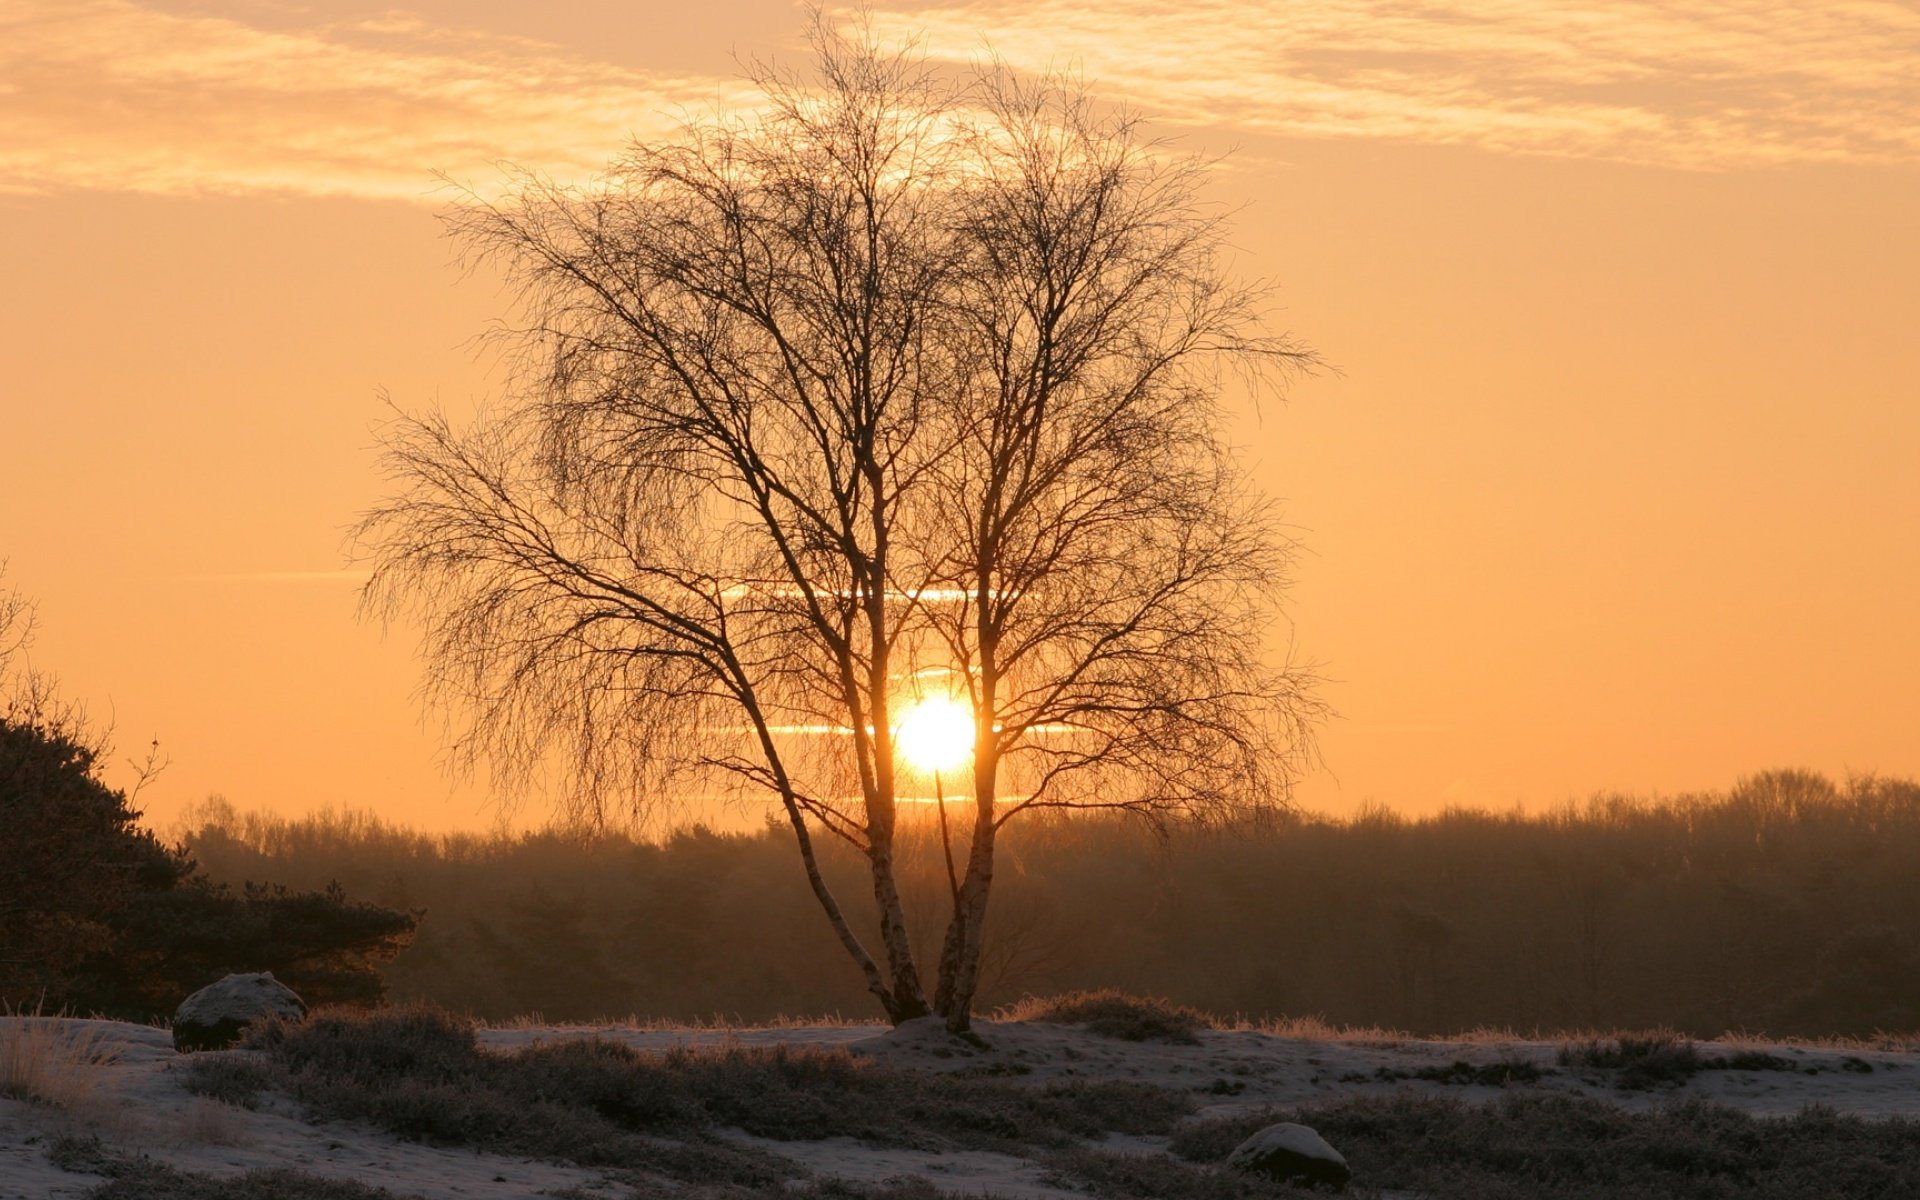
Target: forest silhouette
{"points": [[1782, 906]]}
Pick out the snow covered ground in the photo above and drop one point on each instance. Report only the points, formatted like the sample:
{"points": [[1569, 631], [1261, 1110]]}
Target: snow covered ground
{"points": [[137, 1103]]}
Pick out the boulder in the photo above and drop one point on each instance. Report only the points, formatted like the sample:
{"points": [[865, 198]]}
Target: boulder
{"points": [[1292, 1154], [215, 1016]]}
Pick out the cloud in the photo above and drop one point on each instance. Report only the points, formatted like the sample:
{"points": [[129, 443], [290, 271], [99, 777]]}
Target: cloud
{"points": [[344, 575], [1675, 83], [115, 95], [110, 95]]}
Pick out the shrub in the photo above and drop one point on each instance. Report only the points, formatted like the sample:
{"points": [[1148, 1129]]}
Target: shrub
{"points": [[231, 1078], [1115, 1014], [96, 915], [1760, 1060], [181, 937], [75, 859], [1645, 1061], [420, 1074], [1500, 1073], [1526, 1145], [146, 1180]]}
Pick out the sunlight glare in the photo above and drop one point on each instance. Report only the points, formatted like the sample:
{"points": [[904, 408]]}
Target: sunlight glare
{"points": [[935, 734]]}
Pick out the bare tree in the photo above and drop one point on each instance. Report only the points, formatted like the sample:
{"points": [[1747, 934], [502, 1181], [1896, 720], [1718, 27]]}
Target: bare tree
{"points": [[886, 387], [29, 696], [16, 623], [1114, 572]]}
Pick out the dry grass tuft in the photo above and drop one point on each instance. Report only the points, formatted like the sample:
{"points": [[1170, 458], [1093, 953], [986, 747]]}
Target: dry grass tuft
{"points": [[50, 1060], [1317, 1029], [1110, 1012], [1878, 1043]]}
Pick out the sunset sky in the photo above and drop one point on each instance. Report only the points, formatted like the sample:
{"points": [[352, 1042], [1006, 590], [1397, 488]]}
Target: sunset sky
{"points": [[1616, 484]]}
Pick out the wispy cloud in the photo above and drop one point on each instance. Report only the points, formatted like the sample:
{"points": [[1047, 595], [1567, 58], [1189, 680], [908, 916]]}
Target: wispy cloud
{"points": [[1678, 83], [112, 95], [354, 576]]}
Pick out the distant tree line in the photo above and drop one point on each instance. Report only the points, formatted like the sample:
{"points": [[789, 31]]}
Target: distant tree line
{"points": [[1785, 905]]}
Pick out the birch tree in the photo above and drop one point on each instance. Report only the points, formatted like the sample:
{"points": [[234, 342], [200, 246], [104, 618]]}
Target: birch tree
{"points": [[893, 394]]}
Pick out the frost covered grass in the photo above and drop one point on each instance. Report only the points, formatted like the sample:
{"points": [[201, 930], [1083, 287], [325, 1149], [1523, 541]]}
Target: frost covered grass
{"points": [[1122, 1013], [421, 1075], [46, 1060], [1662, 1058], [427, 1104], [1112, 1176], [1526, 1145], [143, 1179]]}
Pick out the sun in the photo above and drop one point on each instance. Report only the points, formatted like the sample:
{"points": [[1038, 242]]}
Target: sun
{"points": [[935, 734]]}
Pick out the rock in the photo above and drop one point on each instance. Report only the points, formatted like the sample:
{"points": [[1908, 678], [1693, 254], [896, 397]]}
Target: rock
{"points": [[1293, 1154], [216, 1015]]}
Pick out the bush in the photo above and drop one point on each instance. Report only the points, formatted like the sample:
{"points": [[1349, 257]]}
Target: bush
{"points": [[421, 1074], [75, 862], [1649, 1061], [180, 938], [144, 1179], [1644, 1061], [97, 916], [147, 1180], [1501, 1073], [236, 1079], [1112, 1013], [1526, 1145]]}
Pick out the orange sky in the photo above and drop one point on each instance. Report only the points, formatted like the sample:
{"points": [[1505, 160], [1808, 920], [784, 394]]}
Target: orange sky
{"points": [[1618, 488]]}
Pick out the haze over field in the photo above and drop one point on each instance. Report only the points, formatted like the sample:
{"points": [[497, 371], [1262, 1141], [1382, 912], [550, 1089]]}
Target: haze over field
{"points": [[1614, 488]]}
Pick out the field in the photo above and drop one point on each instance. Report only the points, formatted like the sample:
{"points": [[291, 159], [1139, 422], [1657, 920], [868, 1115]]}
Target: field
{"points": [[1096, 1096]]}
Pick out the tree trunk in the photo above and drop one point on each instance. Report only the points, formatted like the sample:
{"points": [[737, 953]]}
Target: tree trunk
{"points": [[973, 921], [966, 934], [868, 968], [950, 950], [909, 1000], [816, 882]]}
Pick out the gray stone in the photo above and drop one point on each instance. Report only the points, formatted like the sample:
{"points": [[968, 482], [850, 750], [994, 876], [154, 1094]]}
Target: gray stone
{"points": [[1293, 1154], [215, 1016]]}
